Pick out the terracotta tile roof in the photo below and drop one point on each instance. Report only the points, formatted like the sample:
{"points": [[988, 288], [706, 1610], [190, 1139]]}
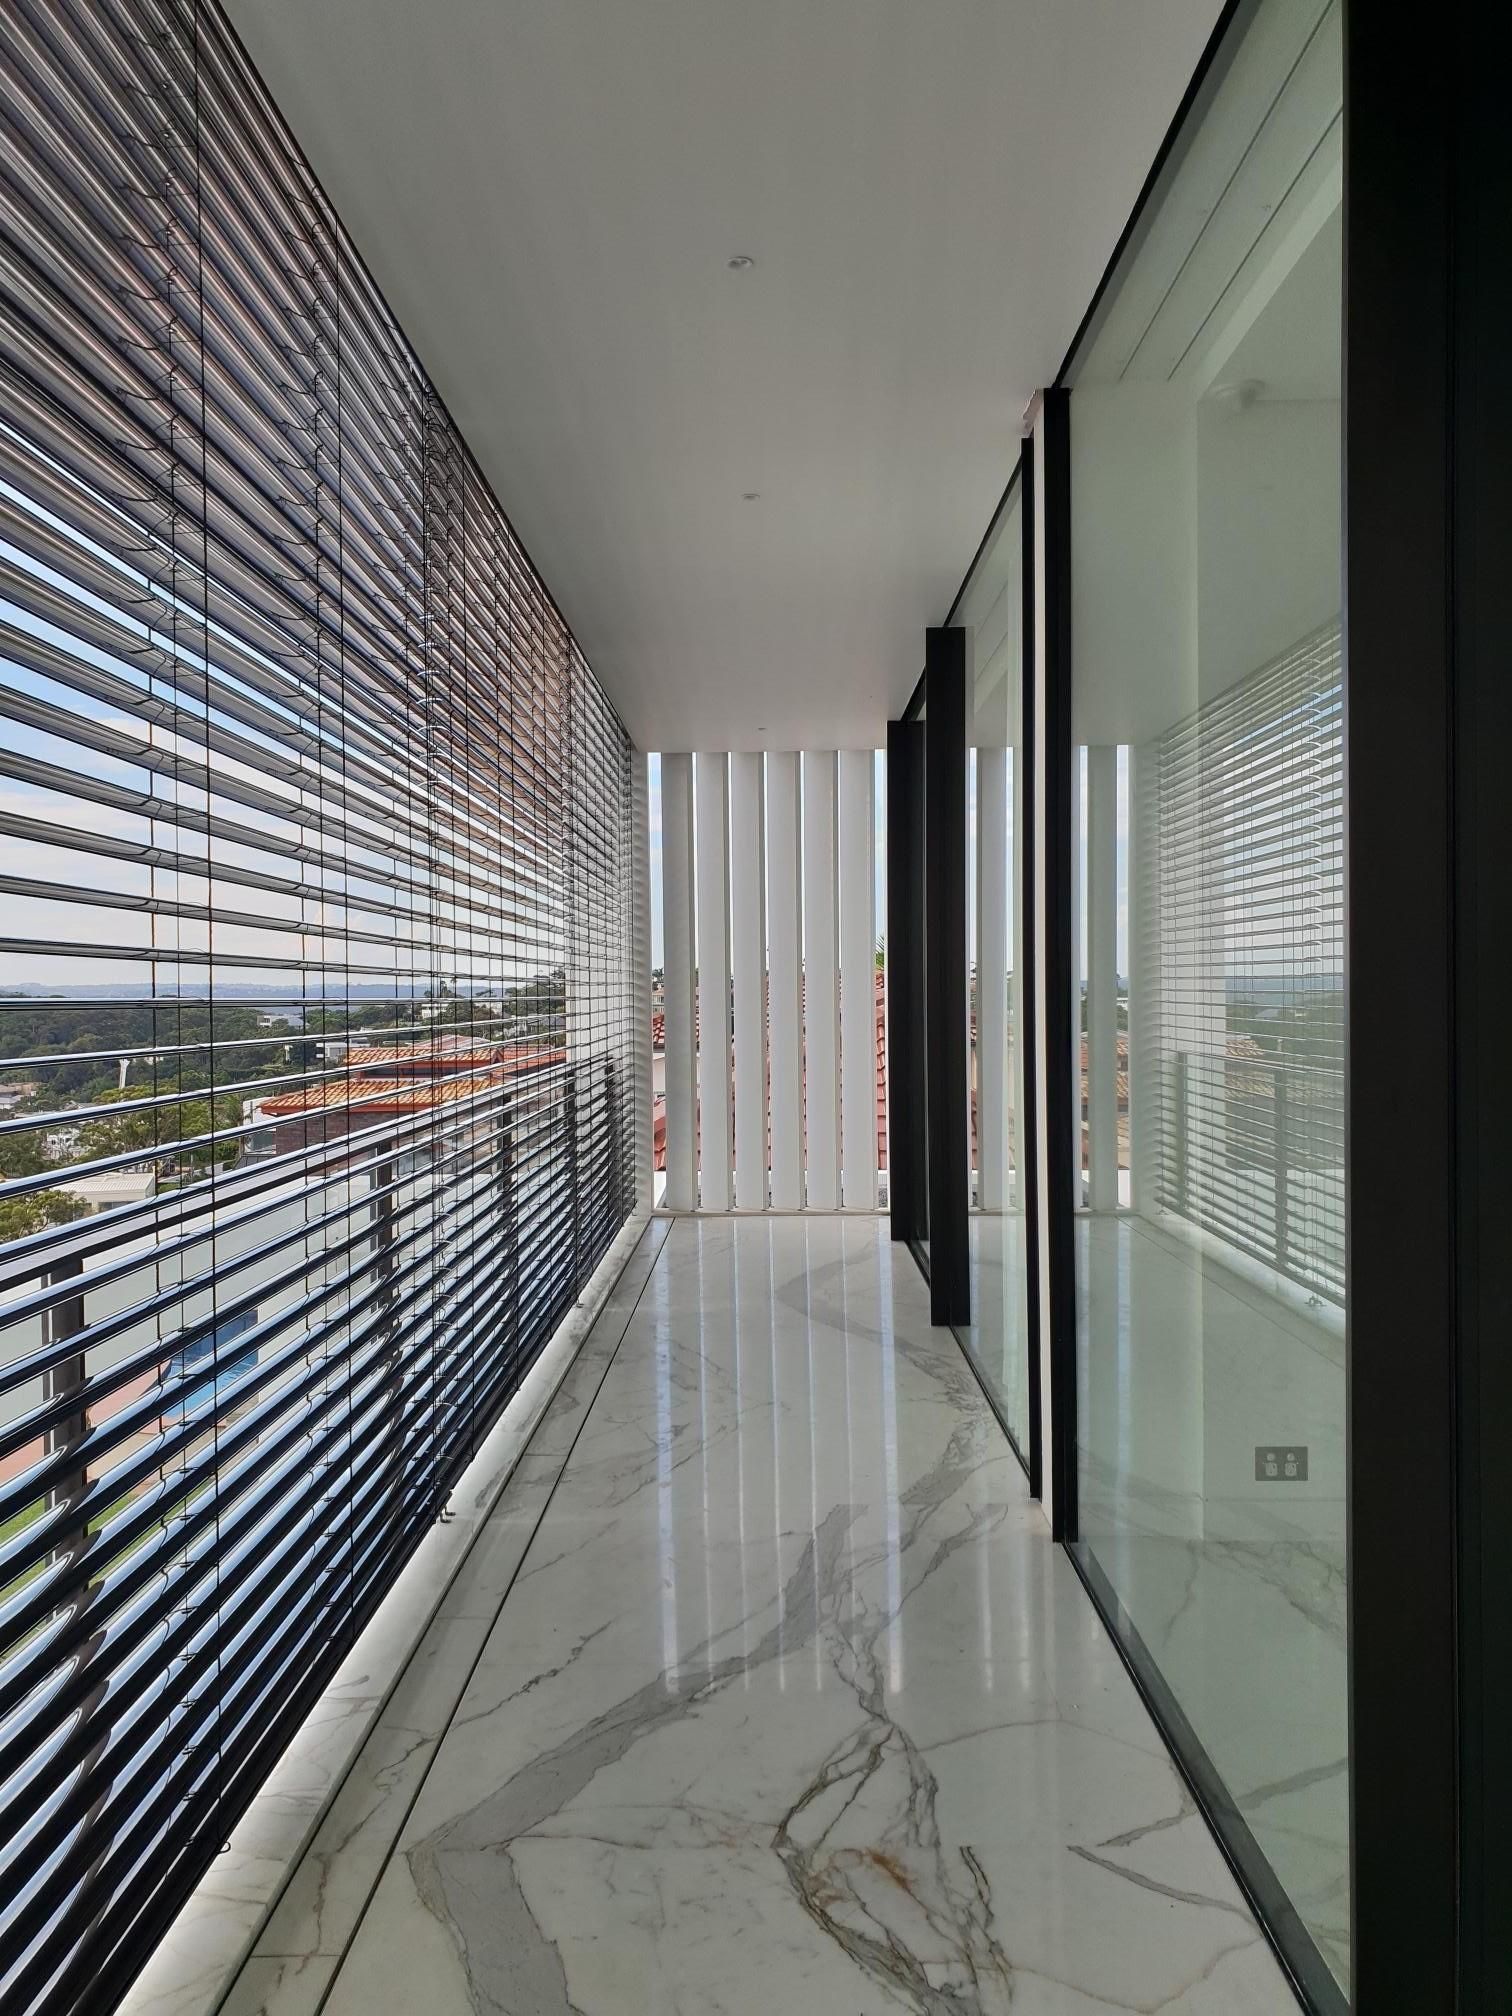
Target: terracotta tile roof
{"points": [[881, 1068], [1120, 1072], [659, 1105], [1243, 1046], [441, 1055], [395, 1095], [1239, 1083]]}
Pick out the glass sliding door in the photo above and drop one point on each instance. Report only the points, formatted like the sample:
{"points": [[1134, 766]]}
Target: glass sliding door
{"points": [[991, 610], [1207, 1037]]}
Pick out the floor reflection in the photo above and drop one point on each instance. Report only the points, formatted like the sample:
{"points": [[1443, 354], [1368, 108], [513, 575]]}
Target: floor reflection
{"points": [[1236, 1584], [886, 1759], [998, 1335]]}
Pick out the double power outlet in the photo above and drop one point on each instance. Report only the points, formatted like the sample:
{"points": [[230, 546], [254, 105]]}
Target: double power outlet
{"points": [[1281, 1463]]}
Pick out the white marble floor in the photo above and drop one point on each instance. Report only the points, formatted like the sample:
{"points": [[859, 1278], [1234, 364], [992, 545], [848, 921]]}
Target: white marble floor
{"points": [[788, 1702]]}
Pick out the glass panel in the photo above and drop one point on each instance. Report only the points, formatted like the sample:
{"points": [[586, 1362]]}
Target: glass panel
{"points": [[997, 1338], [921, 1241], [1208, 936]]}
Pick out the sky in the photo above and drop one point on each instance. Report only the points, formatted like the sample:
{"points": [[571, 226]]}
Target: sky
{"points": [[278, 923]]}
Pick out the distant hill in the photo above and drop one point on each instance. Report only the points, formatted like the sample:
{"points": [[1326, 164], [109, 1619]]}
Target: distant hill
{"points": [[337, 990]]}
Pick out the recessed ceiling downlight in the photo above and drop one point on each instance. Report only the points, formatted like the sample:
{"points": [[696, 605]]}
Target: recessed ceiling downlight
{"points": [[750, 496], [1238, 395], [741, 263]]}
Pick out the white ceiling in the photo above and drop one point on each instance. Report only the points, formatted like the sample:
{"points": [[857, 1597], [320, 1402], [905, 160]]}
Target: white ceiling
{"points": [[548, 191], [1294, 349]]}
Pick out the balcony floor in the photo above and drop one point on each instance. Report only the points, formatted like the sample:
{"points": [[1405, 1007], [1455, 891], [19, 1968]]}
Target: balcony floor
{"points": [[764, 1689]]}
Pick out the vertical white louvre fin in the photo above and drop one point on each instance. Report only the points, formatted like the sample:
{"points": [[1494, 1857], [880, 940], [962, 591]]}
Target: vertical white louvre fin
{"points": [[748, 956], [1078, 976], [785, 957], [1102, 983], [858, 996], [1144, 980], [716, 1147], [1019, 1075], [680, 1001], [991, 1050], [821, 972], [640, 944], [772, 1039]]}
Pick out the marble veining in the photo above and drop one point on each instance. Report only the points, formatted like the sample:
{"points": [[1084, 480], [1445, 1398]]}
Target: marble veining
{"points": [[788, 1701], [264, 1926]]}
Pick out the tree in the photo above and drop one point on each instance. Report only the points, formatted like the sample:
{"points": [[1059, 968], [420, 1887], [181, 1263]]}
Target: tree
{"points": [[162, 1126], [20, 1155], [21, 1216]]}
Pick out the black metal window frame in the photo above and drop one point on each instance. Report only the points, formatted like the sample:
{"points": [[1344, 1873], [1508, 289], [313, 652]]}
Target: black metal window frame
{"points": [[1308, 1973], [1428, 607], [1061, 1091], [948, 1153], [1428, 610], [927, 1067], [907, 1104], [1428, 618], [297, 737], [1465, 124], [1028, 870]]}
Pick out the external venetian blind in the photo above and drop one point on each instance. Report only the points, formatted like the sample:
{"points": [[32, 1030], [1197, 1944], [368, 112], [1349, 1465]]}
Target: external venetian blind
{"points": [[1247, 900], [317, 1032]]}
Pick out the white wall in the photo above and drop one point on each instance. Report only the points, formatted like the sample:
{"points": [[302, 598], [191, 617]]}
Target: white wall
{"points": [[1270, 507], [1134, 572], [1206, 539]]}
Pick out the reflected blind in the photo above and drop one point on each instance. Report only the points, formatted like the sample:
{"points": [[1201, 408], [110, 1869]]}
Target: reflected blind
{"points": [[317, 1025], [1247, 903]]}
